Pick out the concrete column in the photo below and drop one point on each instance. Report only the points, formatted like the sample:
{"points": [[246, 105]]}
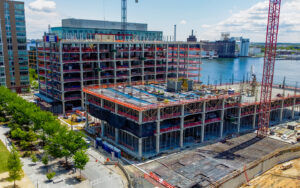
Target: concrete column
{"points": [[115, 66], [86, 112], [281, 111], [222, 118], [116, 108], [203, 127], [188, 60], [203, 121], [239, 119], [116, 135], [81, 76], [157, 136], [143, 62], [181, 131], [129, 64], [181, 125], [62, 79], [254, 117], [87, 118], [293, 108], [99, 64], [167, 63], [140, 147], [102, 129], [155, 62], [140, 117]]}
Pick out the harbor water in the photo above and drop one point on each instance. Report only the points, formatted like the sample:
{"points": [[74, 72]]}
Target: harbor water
{"points": [[216, 71]]}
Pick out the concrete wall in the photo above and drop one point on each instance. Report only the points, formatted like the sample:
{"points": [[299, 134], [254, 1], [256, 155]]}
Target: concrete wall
{"points": [[256, 168]]}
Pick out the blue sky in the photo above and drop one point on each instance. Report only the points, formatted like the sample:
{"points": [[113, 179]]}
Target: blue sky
{"points": [[207, 17]]}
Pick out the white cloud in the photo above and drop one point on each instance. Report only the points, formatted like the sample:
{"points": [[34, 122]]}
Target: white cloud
{"points": [[183, 22], [39, 14], [252, 22], [42, 5]]}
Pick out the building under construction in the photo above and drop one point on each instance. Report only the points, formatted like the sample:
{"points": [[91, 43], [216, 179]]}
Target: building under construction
{"points": [[146, 119], [67, 66]]}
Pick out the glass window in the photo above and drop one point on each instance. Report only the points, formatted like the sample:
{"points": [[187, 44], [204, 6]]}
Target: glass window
{"points": [[19, 6]]}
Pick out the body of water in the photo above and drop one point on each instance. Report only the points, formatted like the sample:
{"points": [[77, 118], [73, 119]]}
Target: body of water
{"points": [[239, 69]]}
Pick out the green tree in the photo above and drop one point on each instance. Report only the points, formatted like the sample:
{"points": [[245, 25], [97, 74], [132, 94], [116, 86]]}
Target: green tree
{"points": [[31, 137], [34, 158], [14, 165], [65, 144], [80, 160], [50, 175], [45, 159], [18, 134]]}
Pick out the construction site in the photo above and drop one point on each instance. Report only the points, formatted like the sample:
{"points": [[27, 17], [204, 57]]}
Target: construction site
{"points": [[65, 67], [147, 120], [145, 103]]}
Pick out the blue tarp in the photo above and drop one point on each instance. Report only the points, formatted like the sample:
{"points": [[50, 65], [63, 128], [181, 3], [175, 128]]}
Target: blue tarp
{"points": [[120, 122], [44, 98]]}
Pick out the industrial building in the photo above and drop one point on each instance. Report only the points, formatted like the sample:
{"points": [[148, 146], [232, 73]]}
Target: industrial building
{"points": [[65, 67], [242, 49], [149, 119], [13, 53], [86, 29]]}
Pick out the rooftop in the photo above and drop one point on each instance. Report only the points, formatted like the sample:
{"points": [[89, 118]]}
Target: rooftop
{"points": [[102, 24], [141, 97]]}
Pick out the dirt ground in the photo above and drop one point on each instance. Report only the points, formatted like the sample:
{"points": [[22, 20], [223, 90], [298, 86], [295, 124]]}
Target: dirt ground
{"points": [[24, 183], [277, 178]]}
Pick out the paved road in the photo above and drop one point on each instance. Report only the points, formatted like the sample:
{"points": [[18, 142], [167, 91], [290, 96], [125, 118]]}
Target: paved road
{"points": [[99, 174]]}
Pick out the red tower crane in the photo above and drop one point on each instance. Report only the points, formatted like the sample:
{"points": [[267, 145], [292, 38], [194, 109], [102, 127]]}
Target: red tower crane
{"points": [[268, 70]]}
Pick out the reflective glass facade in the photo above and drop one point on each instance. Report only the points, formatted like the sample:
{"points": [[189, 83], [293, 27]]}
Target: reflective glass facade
{"points": [[14, 71]]}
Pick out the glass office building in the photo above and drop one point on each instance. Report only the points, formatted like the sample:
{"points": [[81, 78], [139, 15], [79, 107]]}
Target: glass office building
{"points": [[13, 53], [86, 29]]}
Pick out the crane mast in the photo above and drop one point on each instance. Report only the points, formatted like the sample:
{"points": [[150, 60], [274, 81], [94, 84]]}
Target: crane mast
{"points": [[268, 67], [124, 14]]}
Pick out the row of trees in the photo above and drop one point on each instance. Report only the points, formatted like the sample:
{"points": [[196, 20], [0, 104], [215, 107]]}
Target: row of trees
{"points": [[30, 125]]}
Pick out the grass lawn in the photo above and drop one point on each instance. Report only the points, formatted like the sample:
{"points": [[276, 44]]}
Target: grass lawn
{"points": [[3, 157]]}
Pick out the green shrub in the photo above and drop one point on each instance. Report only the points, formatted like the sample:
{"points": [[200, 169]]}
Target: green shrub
{"points": [[18, 134], [24, 144], [34, 159], [3, 119], [50, 175]]}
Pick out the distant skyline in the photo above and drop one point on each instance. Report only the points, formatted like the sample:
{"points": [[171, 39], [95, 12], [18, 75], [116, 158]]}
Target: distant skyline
{"points": [[208, 18]]}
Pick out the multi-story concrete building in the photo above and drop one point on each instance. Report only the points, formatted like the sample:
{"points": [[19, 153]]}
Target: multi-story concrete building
{"points": [[32, 60], [86, 29], [13, 53], [147, 120], [67, 66]]}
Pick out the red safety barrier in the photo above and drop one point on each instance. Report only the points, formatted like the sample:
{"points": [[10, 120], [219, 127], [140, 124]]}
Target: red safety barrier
{"points": [[160, 180]]}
